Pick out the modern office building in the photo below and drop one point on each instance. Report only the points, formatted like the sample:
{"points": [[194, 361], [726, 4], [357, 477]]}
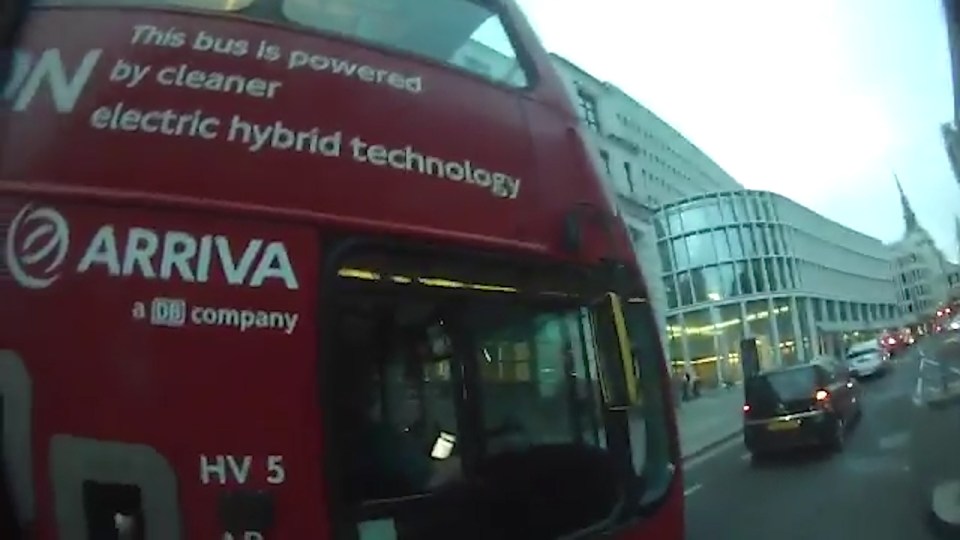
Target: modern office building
{"points": [[756, 264]]}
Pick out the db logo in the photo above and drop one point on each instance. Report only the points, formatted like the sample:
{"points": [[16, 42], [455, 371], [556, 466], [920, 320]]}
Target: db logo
{"points": [[36, 246]]}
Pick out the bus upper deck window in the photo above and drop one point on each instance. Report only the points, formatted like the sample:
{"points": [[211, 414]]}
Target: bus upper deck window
{"points": [[210, 5], [460, 33]]}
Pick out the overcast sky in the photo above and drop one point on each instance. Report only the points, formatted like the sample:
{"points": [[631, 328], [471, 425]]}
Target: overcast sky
{"points": [[820, 100]]}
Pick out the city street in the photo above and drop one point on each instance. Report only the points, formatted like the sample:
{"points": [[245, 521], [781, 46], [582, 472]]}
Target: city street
{"points": [[879, 487]]}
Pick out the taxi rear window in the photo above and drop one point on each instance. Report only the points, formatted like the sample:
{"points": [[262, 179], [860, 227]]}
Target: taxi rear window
{"points": [[782, 385]]}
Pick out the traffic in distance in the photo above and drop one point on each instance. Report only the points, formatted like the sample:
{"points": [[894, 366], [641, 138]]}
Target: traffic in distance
{"points": [[828, 430]]}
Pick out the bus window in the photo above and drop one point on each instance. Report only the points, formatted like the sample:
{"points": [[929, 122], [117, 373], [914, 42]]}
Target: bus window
{"points": [[539, 380], [210, 5], [462, 33], [459, 33], [391, 410], [457, 355]]}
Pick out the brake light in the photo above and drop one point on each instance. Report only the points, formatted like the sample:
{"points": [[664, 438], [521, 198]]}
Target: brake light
{"points": [[822, 395], [746, 408]]}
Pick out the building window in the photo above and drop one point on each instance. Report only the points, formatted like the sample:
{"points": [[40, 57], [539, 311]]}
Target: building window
{"points": [[588, 109], [629, 173], [605, 157]]}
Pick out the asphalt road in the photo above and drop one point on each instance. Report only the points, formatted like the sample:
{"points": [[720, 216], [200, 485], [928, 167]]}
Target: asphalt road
{"points": [[877, 488]]}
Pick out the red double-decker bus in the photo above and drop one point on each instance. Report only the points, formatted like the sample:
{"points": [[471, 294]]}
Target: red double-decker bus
{"points": [[317, 269]]}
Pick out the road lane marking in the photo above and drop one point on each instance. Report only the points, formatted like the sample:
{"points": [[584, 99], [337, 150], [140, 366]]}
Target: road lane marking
{"points": [[918, 392], [692, 489], [712, 453], [894, 440], [745, 457]]}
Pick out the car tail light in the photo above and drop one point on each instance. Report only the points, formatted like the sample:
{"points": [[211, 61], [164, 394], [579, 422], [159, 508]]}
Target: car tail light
{"points": [[746, 408], [823, 400]]}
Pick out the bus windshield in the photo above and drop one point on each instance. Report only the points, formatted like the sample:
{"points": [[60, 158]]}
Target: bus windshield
{"points": [[462, 33], [442, 377]]}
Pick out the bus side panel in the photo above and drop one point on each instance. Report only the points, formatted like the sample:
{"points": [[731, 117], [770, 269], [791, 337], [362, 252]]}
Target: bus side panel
{"points": [[166, 343]]}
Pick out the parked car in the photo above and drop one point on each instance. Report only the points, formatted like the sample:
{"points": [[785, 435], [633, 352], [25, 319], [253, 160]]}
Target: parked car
{"points": [[806, 405], [868, 358]]}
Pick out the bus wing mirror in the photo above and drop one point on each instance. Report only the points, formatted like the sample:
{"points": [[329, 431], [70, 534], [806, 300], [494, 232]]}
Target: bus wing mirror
{"points": [[618, 375]]}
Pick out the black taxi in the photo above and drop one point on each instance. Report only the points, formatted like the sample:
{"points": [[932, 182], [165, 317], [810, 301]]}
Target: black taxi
{"points": [[799, 406]]}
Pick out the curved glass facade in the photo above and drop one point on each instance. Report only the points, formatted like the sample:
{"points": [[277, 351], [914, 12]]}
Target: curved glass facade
{"points": [[732, 269]]}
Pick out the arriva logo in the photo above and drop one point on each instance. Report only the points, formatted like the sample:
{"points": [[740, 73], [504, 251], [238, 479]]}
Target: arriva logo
{"points": [[39, 237], [36, 246]]}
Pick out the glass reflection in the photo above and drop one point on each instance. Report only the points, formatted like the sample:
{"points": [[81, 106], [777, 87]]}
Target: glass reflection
{"points": [[714, 286], [774, 240], [744, 278], [729, 334], [684, 289], [806, 336], [762, 245], [749, 246], [665, 257], [758, 208], [772, 275], [671, 291], [702, 250], [785, 280], [759, 326], [726, 210], [740, 208], [733, 239], [784, 321], [699, 332], [660, 226], [674, 222], [728, 280], [679, 248], [721, 245], [674, 341], [756, 268], [831, 310]]}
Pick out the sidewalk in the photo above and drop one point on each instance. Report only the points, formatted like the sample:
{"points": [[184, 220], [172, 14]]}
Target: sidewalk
{"points": [[712, 419], [938, 426]]}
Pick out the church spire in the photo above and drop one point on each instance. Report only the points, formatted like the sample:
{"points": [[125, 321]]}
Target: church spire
{"points": [[909, 218]]}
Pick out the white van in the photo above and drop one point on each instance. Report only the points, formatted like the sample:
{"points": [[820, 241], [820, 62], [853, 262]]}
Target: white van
{"points": [[867, 358]]}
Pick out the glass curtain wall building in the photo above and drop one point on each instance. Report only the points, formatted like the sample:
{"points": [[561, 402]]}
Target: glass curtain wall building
{"points": [[747, 263]]}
